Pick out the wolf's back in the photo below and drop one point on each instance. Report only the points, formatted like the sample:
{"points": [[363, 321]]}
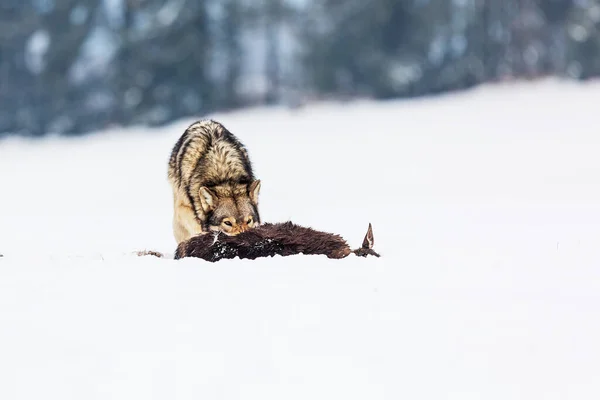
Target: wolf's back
{"points": [[208, 154]]}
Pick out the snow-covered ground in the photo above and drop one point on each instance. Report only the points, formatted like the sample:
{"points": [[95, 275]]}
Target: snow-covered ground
{"points": [[485, 207]]}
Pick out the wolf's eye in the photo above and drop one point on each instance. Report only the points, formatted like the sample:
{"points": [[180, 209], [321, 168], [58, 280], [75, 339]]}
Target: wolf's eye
{"points": [[249, 220], [228, 223]]}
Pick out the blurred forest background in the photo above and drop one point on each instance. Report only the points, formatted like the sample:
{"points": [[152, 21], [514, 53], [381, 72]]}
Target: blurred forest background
{"points": [[74, 66]]}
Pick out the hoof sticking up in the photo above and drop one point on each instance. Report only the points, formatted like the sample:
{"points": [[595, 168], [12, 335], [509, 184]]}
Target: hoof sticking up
{"points": [[367, 245]]}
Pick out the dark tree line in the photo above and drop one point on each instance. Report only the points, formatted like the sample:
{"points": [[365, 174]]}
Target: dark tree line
{"points": [[73, 66]]}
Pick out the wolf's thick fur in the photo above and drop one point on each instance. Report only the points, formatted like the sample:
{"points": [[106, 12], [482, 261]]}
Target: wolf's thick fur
{"points": [[213, 184]]}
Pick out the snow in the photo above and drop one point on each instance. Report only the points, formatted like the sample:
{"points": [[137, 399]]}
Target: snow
{"points": [[485, 207]]}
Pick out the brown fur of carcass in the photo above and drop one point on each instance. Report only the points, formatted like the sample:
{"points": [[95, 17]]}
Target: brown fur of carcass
{"points": [[268, 240]]}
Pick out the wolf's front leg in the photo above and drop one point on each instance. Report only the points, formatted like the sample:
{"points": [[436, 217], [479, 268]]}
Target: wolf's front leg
{"points": [[185, 224]]}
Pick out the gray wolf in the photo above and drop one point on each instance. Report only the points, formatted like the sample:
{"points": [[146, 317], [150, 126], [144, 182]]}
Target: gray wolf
{"points": [[214, 188]]}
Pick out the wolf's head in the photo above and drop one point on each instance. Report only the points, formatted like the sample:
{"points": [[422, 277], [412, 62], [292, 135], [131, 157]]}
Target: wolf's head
{"points": [[231, 208]]}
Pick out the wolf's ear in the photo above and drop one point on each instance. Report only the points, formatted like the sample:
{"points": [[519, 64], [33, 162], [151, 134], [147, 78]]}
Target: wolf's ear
{"points": [[207, 199], [253, 191]]}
